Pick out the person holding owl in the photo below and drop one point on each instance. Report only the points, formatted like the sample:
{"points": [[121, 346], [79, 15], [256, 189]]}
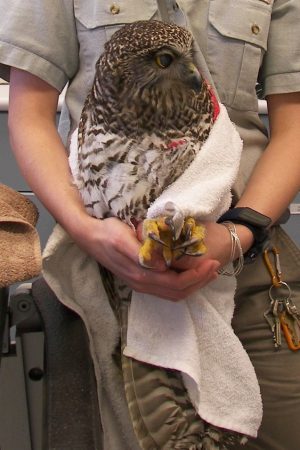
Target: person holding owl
{"points": [[243, 43]]}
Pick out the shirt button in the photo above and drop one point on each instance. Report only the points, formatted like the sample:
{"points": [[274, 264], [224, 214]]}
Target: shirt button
{"points": [[255, 29], [115, 9]]}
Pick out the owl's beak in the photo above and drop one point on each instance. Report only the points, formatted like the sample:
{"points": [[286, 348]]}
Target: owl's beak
{"points": [[193, 79]]}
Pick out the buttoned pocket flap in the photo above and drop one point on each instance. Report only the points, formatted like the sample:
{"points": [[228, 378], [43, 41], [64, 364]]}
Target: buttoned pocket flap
{"points": [[96, 13], [246, 20]]}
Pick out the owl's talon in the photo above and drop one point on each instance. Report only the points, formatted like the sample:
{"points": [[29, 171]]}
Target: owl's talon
{"points": [[170, 223], [155, 238], [188, 232], [157, 235], [191, 242], [178, 256], [194, 253], [186, 244], [144, 264]]}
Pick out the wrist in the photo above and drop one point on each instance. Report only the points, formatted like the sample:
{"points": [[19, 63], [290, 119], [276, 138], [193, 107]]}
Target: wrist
{"points": [[257, 225], [246, 237], [82, 226], [236, 251]]}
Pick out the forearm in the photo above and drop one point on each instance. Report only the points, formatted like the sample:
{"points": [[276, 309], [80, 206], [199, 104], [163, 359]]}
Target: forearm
{"points": [[276, 178], [39, 150], [275, 181], [43, 162]]}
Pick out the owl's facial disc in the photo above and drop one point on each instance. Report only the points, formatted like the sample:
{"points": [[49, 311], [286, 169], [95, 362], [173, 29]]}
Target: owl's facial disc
{"points": [[176, 67]]}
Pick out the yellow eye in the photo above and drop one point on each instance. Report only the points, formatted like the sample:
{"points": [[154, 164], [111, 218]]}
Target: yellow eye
{"points": [[164, 60]]}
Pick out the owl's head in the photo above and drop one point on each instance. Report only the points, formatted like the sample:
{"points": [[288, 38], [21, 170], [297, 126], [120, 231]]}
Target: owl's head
{"points": [[146, 79], [147, 54]]}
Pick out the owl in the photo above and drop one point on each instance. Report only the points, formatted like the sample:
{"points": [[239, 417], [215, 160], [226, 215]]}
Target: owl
{"points": [[145, 118]]}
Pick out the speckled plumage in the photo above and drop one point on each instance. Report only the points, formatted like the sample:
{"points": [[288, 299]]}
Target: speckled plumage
{"points": [[141, 124]]}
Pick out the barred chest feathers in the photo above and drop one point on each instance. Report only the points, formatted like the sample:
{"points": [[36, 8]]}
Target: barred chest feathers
{"points": [[121, 177]]}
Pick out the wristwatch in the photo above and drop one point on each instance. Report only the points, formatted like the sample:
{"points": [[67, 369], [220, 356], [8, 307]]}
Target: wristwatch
{"points": [[256, 222]]}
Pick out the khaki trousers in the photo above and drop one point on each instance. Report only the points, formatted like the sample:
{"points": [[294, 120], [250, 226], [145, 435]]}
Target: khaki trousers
{"points": [[278, 371]]}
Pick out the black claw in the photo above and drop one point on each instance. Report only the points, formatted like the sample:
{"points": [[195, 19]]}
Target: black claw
{"points": [[146, 266], [179, 256], [188, 232], [169, 221], [186, 244], [155, 238]]}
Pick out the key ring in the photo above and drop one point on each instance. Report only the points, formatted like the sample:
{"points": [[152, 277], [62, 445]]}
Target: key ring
{"points": [[280, 284], [282, 313]]}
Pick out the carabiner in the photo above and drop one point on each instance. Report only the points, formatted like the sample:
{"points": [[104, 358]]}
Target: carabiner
{"points": [[274, 269]]}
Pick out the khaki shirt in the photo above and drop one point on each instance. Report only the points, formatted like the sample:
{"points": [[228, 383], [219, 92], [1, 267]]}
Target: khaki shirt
{"points": [[242, 40]]}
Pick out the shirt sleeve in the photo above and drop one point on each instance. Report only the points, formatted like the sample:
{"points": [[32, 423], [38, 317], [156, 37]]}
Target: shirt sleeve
{"points": [[280, 72], [39, 36]]}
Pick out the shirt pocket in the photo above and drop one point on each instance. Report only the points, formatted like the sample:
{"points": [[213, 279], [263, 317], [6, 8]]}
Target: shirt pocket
{"points": [[96, 13], [96, 21], [237, 41]]}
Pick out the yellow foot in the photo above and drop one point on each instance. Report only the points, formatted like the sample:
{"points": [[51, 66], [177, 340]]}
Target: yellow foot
{"points": [[159, 235], [191, 240]]}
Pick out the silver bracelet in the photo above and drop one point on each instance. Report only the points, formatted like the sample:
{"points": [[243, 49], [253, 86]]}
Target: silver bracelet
{"points": [[238, 263]]}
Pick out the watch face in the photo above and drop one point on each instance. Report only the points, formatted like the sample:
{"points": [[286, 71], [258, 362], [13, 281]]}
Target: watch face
{"points": [[253, 217]]}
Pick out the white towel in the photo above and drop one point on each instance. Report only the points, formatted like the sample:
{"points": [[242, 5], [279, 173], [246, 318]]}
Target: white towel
{"points": [[195, 336], [204, 189]]}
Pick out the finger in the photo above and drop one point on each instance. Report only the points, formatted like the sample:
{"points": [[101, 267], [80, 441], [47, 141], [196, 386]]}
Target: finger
{"points": [[122, 242], [172, 285], [174, 295], [119, 253], [187, 262]]}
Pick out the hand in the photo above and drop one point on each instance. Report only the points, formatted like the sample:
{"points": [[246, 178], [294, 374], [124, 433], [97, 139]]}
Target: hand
{"points": [[218, 243], [115, 245]]}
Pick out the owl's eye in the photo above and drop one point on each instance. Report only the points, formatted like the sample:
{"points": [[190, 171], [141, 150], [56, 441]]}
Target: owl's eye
{"points": [[164, 60]]}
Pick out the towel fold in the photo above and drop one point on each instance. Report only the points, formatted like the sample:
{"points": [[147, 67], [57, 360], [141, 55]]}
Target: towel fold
{"points": [[195, 336], [19, 241]]}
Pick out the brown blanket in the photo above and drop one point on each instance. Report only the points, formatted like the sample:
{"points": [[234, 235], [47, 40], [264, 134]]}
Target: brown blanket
{"points": [[20, 252]]}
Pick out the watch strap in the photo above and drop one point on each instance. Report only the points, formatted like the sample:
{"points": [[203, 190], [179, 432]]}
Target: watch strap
{"points": [[256, 222]]}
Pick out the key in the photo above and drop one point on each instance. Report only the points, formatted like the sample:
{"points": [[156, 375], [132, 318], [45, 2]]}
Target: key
{"points": [[277, 333], [282, 314], [290, 330], [272, 318], [268, 315], [292, 309], [276, 310]]}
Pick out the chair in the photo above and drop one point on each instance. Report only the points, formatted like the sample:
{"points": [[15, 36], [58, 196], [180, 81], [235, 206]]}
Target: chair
{"points": [[48, 395]]}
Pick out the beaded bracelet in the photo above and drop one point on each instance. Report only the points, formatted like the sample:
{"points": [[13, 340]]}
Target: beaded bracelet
{"points": [[235, 243]]}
